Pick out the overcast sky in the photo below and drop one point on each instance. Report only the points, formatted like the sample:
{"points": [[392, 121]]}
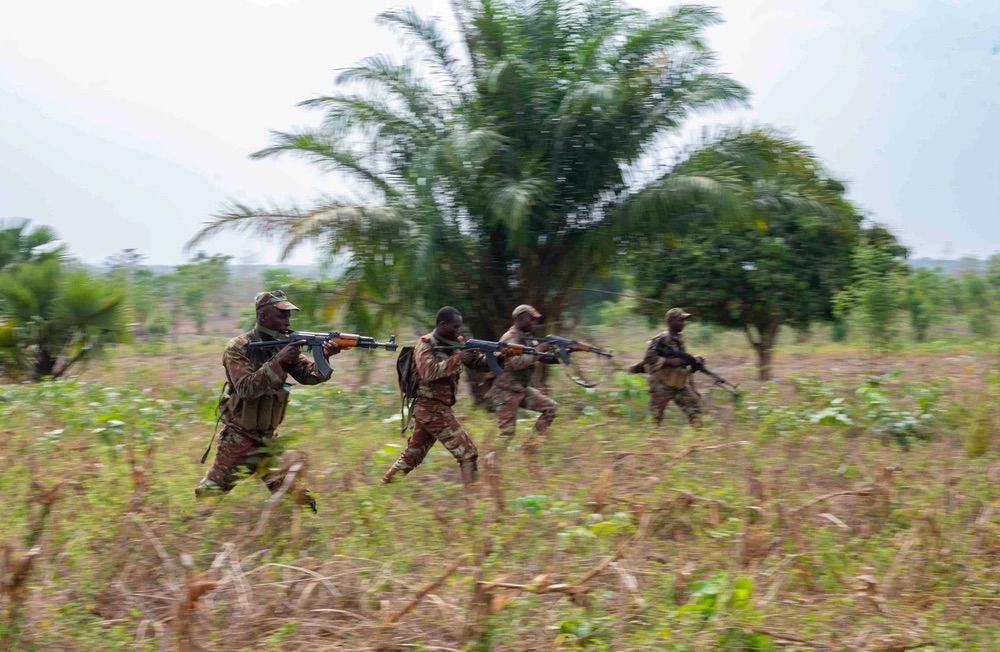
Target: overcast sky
{"points": [[126, 123]]}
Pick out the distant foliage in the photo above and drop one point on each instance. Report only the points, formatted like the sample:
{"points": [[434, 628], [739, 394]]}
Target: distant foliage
{"points": [[53, 317], [875, 297]]}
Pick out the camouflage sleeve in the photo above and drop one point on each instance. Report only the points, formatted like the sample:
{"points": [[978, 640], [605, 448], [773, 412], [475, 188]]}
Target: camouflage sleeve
{"points": [[429, 368], [517, 362], [304, 371], [653, 361], [246, 382]]}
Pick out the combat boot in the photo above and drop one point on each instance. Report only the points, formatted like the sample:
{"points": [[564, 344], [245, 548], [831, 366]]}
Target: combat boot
{"points": [[469, 471], [390, 474]]}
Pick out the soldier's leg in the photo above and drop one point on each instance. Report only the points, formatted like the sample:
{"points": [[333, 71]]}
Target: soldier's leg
{"points": [[538, 402], [273, 468], [235, 456], [689, 402], [505, 403], [659, 396], [453, 436], [417, 446]]}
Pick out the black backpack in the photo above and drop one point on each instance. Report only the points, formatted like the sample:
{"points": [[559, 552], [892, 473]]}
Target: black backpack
{"points": [[406, 375]]}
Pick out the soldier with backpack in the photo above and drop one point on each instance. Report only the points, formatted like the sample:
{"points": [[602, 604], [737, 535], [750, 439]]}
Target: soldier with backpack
{"points": [[431, 378]]}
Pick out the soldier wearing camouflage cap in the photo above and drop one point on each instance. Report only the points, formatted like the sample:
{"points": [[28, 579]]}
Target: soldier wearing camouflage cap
{"points": [[669, 379], [512, 389], [255, 397]]}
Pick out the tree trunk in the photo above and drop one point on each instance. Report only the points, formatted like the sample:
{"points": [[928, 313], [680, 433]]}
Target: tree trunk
{"points": [[763, 344]]}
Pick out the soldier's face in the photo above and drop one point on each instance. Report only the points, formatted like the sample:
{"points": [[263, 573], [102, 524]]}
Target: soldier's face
{"points": [[676, 324], [524, 322], [278, 320], [451, 330]]}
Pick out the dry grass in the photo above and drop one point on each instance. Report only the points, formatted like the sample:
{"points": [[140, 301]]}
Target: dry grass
{"points": [[602, 540]]}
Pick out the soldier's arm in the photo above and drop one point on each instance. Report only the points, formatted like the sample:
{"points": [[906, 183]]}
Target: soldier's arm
{"points": [[516, 362], [429, 368], [654, 361], [246, 382], [304, 371]]}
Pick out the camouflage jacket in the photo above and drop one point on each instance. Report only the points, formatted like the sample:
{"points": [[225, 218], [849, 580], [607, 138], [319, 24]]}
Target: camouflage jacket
{"points": [[517, 369], [256, 393], [439, 371], [655, 363]]}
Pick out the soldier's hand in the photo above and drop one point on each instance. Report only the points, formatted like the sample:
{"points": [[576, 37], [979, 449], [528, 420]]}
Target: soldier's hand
{"points": [[469, 356], [700, 359], [330, 348], [289, 353], [544, 347]]}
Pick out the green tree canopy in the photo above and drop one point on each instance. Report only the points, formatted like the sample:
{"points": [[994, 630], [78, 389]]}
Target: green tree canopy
{"points": [[53, 317], [511, 168], [780, 266]]}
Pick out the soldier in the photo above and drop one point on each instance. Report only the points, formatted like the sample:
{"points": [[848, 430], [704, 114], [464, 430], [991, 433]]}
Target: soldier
{"points": [[255, 397], [513, 390], [433, 420], [669, 379]]}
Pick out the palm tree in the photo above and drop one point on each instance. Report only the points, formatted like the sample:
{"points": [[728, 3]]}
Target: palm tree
{"points": [[18, 245], [511, 171], [52, 317]]}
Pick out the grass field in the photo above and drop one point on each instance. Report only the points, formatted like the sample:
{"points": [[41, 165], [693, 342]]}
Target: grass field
{"points": [[824, 511]]}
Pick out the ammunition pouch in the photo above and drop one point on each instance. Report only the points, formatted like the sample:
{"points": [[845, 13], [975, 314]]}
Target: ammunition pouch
{"points": [[259, 414]]}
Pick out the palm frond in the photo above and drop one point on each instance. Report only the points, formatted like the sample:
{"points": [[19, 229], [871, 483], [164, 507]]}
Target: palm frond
{"points": [[427, 34]]}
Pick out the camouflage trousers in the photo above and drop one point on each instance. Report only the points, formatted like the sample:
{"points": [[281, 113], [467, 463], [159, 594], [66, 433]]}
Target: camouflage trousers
{"points": [[686, 398], [434, 421], [241, 454], [506, 403]]}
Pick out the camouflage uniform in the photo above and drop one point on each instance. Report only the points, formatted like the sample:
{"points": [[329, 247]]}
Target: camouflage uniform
{"points": [[253, 405], [670, 383], [433, 419], [513, 390]]}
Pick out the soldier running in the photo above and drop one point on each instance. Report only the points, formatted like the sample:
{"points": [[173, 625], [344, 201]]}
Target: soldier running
{"points": [[439, 372], [255, 397], [513, 390], [669, 379]]}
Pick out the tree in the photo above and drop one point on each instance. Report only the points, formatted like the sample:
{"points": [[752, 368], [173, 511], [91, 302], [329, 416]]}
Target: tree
{"points": [[875, 296], [980, 300], [510, 172], [55, 317], [18, 245], [779, 265], [200, 284], [924, 297]]}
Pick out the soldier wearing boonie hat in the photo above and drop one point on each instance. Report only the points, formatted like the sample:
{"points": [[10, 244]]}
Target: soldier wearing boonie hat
{"points": [[513, 390], [255, 397]]}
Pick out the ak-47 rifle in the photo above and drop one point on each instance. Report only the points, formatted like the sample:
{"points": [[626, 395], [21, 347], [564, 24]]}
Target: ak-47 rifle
{"points": [[315, 343], [490, 348], [564, 346], [691, 362]]}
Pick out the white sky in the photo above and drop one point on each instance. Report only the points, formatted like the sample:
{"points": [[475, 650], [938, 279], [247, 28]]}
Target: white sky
{"points": [[126, 123]]}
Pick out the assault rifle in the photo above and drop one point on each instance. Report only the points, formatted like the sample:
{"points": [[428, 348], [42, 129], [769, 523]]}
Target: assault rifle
{"points": [[692, 363], [564, 346], [490, 348], [315, 343]]}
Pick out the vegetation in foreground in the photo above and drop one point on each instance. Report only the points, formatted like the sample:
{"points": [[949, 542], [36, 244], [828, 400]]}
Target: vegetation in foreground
{"points": [[852, 512]]}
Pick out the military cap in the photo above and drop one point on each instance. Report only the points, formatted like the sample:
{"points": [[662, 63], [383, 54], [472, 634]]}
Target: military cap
{"points": [[525, 308], [677, 313], [276, 298]]}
